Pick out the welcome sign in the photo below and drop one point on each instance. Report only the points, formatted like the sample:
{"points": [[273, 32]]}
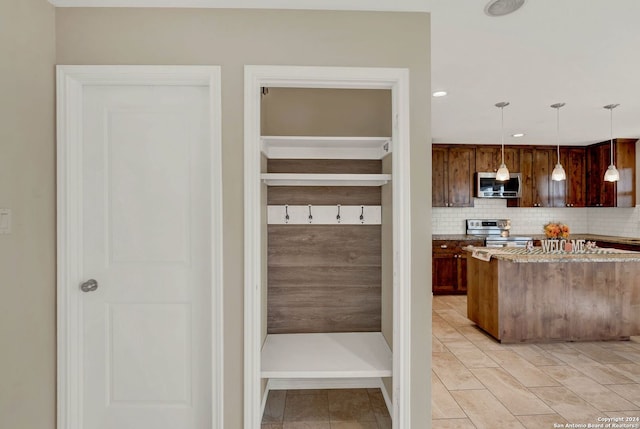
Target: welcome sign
{"points": [[562, 245]]}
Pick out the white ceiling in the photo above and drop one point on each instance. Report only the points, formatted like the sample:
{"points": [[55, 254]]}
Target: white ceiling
{"points": [[585, 53]]}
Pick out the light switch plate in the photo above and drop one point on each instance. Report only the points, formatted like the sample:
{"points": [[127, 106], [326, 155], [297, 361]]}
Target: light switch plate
{"points": [[5, 221]]}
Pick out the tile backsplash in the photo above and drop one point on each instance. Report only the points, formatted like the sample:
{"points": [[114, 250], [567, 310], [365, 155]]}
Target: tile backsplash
{"points": [[614, 221], [622, 222]]}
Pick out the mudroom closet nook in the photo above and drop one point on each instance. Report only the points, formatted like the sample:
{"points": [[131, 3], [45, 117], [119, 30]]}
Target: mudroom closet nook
{"points": [[324, 264], [327, 310], [324, 242]]}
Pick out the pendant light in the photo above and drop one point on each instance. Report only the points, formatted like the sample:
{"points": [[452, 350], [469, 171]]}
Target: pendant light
{"points": [[612, 174], [558, 173], [502, 174]]}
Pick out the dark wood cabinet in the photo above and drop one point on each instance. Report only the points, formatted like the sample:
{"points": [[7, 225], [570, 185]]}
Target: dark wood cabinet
{"points": [[449, 266], [489, 158], [600, 193], [452, 175], [439, 182], [611, 194], [574, 160], [527, 187], [454, 167], [538, 190], [625, 152]]}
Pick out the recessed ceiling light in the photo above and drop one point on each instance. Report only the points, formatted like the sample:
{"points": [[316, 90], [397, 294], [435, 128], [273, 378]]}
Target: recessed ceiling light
{"points": [[502, 7], [517, 135], [439, 93]]}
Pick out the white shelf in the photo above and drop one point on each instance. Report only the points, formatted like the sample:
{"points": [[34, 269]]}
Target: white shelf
{"points": [[326, 355], [305, 147], [301, 179]]}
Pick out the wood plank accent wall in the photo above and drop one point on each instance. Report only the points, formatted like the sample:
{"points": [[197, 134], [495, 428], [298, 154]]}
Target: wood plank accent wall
{"points": [[324, 195], [324, 278], [325, 166]]}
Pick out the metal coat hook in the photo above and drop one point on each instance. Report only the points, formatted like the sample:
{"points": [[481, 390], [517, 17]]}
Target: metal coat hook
{"points": [[338, 216], [361, 214], [286, 213], [310, 216]]}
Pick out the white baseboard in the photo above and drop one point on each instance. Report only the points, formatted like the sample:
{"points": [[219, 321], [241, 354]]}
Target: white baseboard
{"points": [[326, 383]]}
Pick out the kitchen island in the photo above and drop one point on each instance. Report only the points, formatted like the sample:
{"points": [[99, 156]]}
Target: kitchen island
{"points": [[529, 296]]}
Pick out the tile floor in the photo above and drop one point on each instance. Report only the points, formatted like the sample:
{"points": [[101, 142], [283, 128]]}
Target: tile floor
{"points": [[479, 383], [326, 409]]}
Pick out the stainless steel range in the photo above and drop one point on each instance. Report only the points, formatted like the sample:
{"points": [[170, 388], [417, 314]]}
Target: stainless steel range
{"points": [[495, 232]]}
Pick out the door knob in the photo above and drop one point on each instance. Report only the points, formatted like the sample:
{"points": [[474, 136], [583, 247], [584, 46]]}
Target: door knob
{"points": [[89, 286]]}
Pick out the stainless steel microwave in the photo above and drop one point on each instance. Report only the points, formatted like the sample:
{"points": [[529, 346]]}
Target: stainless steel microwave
{"points": [[488, 187]]}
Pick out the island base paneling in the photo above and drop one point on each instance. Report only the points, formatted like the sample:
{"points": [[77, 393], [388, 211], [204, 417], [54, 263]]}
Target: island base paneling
{"points": [[554, 301]]}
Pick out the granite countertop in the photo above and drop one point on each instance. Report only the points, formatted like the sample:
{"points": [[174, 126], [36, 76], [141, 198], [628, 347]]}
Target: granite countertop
{"points": [[590, 237], [595, 237], [522, 255], [457, 237]]}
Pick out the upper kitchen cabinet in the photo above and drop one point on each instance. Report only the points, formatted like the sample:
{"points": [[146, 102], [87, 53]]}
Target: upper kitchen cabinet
{"points": [[452, 175], [575, 186], [454, 165], [538, 190], [439, 176], [489, 158], [611, 194], [599, 192]]}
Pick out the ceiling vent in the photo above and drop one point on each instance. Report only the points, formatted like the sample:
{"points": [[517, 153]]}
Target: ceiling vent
{"points": [[502, 7]]}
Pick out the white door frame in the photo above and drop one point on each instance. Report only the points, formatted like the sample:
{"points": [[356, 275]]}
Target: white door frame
{"points": [[397, 80], [71, 81]]}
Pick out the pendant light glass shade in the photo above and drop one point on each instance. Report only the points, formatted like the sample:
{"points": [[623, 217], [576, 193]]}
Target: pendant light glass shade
{"points": [[502, 174], [558, 174], [612, 174]]}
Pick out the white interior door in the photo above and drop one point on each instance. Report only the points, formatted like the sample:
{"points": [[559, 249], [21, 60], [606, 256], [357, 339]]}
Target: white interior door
{"points": [[146, 215]]}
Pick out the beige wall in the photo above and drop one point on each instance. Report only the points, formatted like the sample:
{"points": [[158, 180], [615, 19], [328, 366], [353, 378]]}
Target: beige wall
{"points": [[326, 112], [27, 187], [233, 38]]}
